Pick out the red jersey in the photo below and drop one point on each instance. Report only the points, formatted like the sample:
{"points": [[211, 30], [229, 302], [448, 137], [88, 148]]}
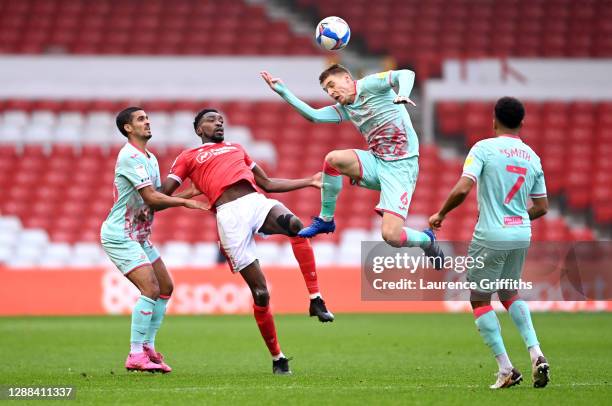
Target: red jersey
{"points": [[213, 167]]}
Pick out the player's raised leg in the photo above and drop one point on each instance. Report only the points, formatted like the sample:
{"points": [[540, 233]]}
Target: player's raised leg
{"points": [[396, 181], [337, 163], [143, 277], [256, 280], [397, 235], [165, 291], [281, 221], [521, 316]]}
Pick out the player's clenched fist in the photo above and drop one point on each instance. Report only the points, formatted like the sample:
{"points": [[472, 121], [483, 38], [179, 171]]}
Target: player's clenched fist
{"points": [[403, 100], [317, 180], [435, 221]]}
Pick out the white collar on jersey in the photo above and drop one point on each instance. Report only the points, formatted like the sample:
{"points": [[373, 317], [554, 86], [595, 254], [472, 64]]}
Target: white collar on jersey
{"points": [[145, 152], [214, 143]]}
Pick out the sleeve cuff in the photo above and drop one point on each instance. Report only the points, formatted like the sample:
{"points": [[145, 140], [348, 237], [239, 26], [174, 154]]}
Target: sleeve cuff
{"points": [[338, 111], [176, 178], [143, 185], [469, 176], [537, 195]]}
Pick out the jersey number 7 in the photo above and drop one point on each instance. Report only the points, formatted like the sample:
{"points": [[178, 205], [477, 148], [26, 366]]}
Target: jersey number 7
{"points": [[519, 182]]}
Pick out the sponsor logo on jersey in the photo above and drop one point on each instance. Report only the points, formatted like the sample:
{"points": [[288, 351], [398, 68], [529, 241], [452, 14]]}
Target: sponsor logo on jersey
{"points": [[206, 155], [513, 220]]}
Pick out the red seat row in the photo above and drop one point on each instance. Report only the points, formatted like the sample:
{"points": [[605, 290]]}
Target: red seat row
{"points": [[181, 27], [69, 190], [421, 34]]}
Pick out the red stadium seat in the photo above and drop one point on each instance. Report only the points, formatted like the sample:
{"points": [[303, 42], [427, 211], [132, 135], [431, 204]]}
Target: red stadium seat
{"points": [[456, 27], [450, 117], [580, 169]]}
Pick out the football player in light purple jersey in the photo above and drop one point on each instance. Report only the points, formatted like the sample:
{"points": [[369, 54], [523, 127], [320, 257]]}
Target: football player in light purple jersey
{"points": [[509, 173], [390, 165], [125, 236]]}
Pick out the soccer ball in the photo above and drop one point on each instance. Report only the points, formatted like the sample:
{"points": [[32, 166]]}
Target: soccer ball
{"points": [[333, 33]]}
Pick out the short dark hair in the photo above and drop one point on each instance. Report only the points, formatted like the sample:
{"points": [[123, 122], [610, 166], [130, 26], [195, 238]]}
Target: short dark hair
{"points": [[332, 70], [125, 117], [199, 116], [509, 112]]}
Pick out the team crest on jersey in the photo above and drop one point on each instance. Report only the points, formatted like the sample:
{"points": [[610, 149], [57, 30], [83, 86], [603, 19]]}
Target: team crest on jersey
{"points": [[203, 156]]}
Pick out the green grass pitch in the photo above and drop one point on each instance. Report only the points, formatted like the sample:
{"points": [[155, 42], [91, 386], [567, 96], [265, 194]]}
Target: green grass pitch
{"points": [[358, 359]]}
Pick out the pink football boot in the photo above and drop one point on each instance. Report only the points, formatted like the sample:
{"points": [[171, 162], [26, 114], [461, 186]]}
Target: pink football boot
{"points": [[157, 358], [141, 362]]}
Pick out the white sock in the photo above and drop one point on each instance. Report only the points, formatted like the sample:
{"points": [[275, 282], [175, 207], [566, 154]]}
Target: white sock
{"points": [[279, 356], [327, 219], [136, 348], [315, 295], [503, 362], [534, 353]]}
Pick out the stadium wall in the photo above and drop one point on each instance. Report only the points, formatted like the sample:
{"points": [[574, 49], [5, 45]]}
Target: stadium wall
{"points": [[146, 78], [98, 291]]}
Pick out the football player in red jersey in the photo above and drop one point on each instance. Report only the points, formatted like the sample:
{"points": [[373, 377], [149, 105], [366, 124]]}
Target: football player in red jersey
{"points": [[227, 176]]}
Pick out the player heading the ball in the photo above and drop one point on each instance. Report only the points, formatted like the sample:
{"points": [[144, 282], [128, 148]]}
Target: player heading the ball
{"points": [[390, 165]]}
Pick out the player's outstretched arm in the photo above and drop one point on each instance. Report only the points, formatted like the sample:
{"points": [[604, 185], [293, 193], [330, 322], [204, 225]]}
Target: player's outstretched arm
{"points": [[327, 114], [190, 192], [170, 185], [276, 185], [160, 201], [539, 208], [455, 198]]}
